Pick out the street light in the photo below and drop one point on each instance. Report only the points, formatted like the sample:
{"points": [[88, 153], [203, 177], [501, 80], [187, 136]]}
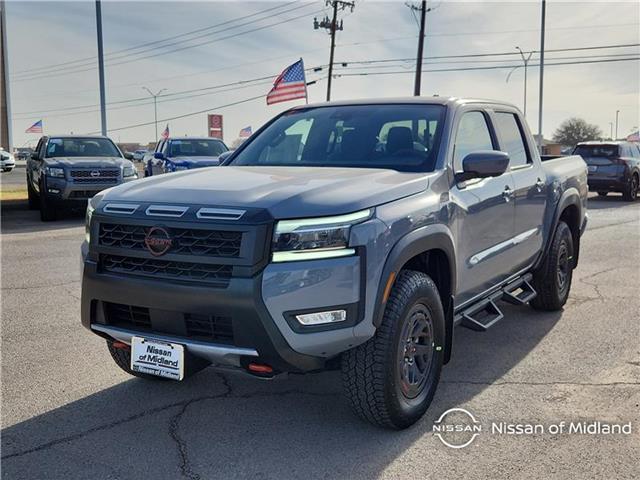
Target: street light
{"points": [[526, 63], [155, 106], [617, 113]]}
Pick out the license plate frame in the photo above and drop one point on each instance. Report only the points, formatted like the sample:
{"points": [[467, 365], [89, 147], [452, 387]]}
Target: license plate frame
{"points": [[157, 357]]}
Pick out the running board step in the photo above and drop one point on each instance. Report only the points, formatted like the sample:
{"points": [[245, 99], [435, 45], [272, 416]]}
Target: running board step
{"points": [[519, 292], [482, 316]]}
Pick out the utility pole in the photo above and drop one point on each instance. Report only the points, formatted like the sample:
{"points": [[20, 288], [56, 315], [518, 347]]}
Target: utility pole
{"points": [[155, 106], [542, 26], [617, 113], [103, 107], [332, 26], [6, 140], [423, 14]]}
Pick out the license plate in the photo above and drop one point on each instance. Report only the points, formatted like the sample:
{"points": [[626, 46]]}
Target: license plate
{"points": [[154, 357], [593, 168]]}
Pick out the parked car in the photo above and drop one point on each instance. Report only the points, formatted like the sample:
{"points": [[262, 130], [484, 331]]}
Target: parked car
{"points": [[184, 153], [66, 170], [613, 167], [351, 235], [7, 162], [23, 153], [138, 155]]}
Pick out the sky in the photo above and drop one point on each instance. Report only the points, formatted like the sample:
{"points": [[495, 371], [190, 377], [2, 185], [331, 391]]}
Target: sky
{"points": [[54, 76]]}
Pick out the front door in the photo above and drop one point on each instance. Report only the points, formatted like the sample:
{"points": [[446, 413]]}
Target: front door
{"points": [[485, 213]]}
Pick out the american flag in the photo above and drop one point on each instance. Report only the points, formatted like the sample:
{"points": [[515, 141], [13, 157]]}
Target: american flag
{"points": [[165, 134], [245, 132], [290, 85], [35, 128]]}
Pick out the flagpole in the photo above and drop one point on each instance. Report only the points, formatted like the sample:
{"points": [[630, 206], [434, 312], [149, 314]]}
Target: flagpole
{"points": [[306, 90]]}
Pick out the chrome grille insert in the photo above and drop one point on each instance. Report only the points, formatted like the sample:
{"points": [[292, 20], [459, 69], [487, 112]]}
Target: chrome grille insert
{"points": [[219, 214], [174, 211]]}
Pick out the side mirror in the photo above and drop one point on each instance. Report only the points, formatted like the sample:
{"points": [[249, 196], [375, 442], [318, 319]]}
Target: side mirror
{"points": [[159, 156], [128, 155], [483, 164], [224, 156], [34, 156]]}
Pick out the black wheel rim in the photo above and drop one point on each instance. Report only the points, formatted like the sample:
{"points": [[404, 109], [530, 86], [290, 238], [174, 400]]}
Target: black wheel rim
{"points": [[563, 267], [634, 187], [415, 351]]}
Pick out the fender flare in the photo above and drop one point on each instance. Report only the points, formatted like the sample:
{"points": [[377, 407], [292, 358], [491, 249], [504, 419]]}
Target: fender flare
{"points": [[430, 237], [571, 196]]}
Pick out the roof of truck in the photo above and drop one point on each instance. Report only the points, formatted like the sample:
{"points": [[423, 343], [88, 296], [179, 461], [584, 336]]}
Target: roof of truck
{"points": [[423, 100]]}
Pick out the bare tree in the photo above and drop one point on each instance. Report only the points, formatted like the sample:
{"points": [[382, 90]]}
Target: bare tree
{"points": [[576, 130]]}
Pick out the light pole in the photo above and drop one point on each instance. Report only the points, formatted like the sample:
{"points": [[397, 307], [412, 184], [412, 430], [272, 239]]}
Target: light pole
{"points": [[617, 113], [155, 106], [526, 64], [543, 15], [103, 107]]}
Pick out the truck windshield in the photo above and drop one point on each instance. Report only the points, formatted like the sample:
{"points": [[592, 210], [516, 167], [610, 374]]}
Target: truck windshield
{"points": [[196, 148], [81, 147], [399, 137]]}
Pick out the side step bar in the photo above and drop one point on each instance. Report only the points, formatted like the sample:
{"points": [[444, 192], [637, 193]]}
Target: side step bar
{"points": [[484, 314]]}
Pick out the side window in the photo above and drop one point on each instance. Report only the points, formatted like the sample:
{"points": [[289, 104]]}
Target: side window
{"points": [[38, 147], [473, 135], [512, 140]]}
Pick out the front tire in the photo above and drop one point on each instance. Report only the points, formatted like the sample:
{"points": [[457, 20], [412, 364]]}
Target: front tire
{"points": [[552, 280], [47, 210], [34, 201], [631, 192], [391, 379]]}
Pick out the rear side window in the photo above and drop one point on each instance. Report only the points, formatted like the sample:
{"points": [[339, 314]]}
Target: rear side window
{"points": [[473, 135], [511, 139]]}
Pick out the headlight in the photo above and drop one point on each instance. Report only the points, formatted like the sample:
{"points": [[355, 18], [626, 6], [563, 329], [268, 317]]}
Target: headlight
{"points": [[54, 172], [87, 223], [129, 171], [315, 238]]}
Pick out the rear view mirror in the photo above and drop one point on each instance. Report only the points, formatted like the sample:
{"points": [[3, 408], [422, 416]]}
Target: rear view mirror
{"points": [[483, 164], [128, 155], [158, 156], [34, 156], [224, 156]]}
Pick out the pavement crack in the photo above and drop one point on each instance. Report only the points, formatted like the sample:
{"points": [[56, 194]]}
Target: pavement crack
{"points": [[594, 285], [30, 287]]}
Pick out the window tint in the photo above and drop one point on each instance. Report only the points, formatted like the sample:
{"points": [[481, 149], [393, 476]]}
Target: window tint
{"points": [[473, 135], [605, 151], [196, 148], [511, 140], [400, 137], [81, 147]]}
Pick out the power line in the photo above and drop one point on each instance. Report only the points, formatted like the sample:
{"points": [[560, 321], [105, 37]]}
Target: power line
{"points": [[155, 42], [63, 72]]}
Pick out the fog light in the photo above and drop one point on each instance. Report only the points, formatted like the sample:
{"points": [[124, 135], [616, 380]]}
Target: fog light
{"points": [[54, 190], [319, 318]]}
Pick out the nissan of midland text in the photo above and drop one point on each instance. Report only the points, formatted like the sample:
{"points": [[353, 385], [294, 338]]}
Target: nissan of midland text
{"points": [[346, 235]]}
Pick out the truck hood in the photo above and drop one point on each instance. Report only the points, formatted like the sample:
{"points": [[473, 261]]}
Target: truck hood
{"points": [[287, 192], [195, 162], [88, 162]]}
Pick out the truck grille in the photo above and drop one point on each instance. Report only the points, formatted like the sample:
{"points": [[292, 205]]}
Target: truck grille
{"points": [[106, 176], [201, 327], [215, 275], [186, 241]]}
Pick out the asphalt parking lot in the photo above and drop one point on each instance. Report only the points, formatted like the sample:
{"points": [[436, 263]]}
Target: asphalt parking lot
{"points": [[69, 412]]}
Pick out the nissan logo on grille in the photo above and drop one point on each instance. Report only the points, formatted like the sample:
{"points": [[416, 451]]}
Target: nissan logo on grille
{"points": [[158, 241], [95, 173]]}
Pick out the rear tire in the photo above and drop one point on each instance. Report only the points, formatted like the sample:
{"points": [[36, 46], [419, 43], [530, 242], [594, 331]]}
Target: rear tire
{"points": [[391, 379], [602, 194], [552, 280], [631, 191]]}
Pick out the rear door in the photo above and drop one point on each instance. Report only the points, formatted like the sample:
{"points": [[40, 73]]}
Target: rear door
{"points": [[484, 220], [529, 179]]}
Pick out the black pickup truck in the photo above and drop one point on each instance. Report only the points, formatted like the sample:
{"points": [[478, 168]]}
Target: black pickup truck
{"points": [[67, 170], [351, 235]]}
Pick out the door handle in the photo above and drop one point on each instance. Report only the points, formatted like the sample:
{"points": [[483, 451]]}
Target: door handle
{"points": [[507, 194], [540, 185]]}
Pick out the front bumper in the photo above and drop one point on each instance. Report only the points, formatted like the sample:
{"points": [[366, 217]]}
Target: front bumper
{"points": [[260, 308], [63, 190]]}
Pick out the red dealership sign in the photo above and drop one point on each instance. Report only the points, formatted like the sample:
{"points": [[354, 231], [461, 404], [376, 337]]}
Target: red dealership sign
{"points": [[214, 123]]}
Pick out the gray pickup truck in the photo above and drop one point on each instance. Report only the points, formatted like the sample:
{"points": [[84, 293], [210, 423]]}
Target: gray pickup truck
{"points": [[66, 170], [346, 235]]}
